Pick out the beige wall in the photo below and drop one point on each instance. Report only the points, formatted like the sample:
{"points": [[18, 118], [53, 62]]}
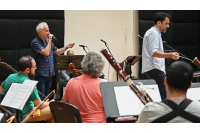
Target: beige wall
{"points": [[119, 28]]}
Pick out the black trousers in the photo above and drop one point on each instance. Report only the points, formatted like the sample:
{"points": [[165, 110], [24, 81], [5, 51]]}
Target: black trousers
{"points": [[159, 77]]}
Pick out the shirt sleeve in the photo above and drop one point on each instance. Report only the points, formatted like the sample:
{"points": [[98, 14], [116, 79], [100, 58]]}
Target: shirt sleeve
{"points": [[64, 75], [3, 84], [153, 43], [143, 117], [54, 47], [37, 46], [150, 112]]}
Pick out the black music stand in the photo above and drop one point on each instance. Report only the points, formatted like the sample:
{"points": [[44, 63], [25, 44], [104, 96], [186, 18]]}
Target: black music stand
{"points": [[109, 98], [62, 64], [64, 60], [131, 60]]}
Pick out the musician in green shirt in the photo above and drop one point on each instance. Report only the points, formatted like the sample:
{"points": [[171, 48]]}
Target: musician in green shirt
{"points": [[27, 67]]}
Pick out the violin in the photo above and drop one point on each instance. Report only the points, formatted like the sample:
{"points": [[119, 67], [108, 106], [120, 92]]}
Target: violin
{"points": [[71, 69]]}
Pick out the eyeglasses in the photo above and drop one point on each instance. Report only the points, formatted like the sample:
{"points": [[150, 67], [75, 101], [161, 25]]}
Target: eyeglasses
{"points": [[34, 67], [30, 58]]}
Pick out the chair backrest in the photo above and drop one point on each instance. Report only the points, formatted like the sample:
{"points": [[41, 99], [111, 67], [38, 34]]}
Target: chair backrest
{"points": [[65, 113]]}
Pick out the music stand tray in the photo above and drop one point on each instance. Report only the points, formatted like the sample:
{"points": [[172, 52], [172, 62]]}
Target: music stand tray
{"points": [[131, 60], [65, 60]]}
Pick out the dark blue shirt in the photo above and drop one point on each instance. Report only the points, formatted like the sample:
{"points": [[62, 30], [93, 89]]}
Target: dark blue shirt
{"points": [[45, 64]]}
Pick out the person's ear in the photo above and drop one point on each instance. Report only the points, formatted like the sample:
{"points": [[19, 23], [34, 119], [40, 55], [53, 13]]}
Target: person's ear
{"points": [[159, 23], [27, 70], [190, 85], [165, 81]]}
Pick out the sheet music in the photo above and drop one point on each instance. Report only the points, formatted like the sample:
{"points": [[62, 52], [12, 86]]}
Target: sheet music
{"points": [[18, 94], [193, 94], [7, 101], [32, 83], [127, 101], [153, 92]]}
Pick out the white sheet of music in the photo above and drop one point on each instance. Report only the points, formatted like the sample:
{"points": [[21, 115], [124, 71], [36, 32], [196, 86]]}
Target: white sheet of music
{"points": [[30, 82], [193, 94], [18, 94], [127, 101]]}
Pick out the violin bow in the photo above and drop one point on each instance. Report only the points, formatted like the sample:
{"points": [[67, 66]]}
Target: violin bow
{"points": [[45, 100]]}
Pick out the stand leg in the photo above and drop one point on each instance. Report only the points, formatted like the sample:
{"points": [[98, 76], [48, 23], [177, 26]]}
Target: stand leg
{"points": [[130, 71]]}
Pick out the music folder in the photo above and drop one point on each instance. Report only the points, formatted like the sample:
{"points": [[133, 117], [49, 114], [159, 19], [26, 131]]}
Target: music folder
{"points": [[18, 94]]}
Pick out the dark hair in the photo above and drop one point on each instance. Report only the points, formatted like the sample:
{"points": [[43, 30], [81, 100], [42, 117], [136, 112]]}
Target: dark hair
{"points": [[179, 75], [25, 62], [160, 16]]}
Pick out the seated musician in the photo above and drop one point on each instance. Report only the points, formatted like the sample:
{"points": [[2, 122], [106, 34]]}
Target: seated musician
{"points": [[64, 73], [27, 67], [84, 91], [177, 81]]}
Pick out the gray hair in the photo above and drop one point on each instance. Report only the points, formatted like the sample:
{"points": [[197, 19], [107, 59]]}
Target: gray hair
{"points": [[92, 64], [40, 26]]}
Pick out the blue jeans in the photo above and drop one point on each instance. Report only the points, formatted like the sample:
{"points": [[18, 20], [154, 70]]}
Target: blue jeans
{"points": [[159, 77], [44, 85]]}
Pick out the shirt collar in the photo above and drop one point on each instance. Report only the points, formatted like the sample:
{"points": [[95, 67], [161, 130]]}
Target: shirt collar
{"points": [[21, 74], [157, 29], [46, 40]]}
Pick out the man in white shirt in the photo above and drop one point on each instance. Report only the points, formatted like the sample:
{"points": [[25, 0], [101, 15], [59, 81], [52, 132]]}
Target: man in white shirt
{"points": [[153, 62]]}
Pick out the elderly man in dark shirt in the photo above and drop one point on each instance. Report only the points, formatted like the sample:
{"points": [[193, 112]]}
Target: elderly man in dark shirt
{"points": [[43, 49]]}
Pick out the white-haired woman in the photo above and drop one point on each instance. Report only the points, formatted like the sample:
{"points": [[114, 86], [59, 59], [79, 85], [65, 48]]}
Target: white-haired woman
{"points": [[84, 91]]}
